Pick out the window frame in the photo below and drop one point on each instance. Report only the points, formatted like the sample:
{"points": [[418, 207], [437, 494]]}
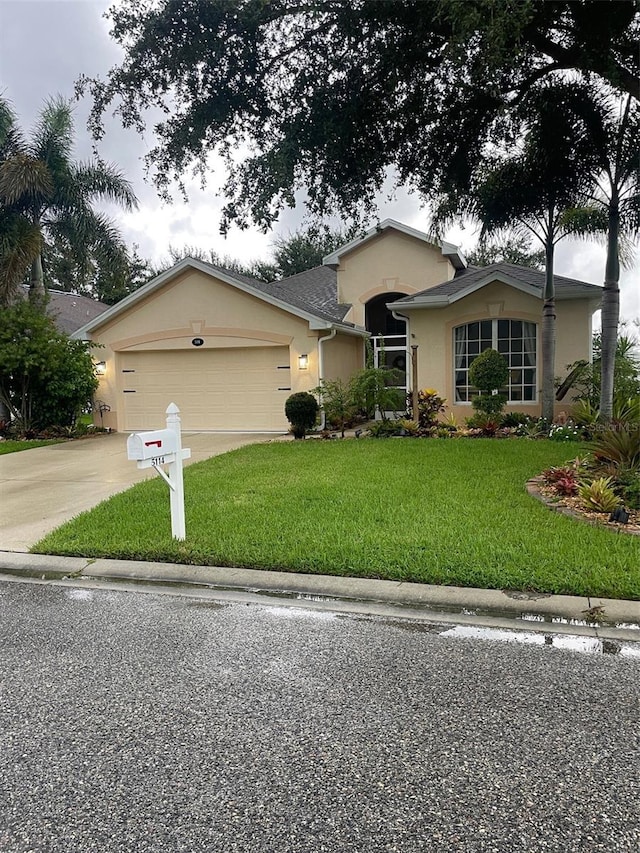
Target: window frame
{"points": [[481, 340]]}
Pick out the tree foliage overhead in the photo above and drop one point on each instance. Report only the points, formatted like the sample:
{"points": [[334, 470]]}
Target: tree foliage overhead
{"points": [[291, 254], [327, 95], [512, 248]]}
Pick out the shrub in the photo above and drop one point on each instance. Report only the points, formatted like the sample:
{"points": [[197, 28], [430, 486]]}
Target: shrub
{"points": [[619, 448], [386, 428], [338, 402], [628, 486], [489, 372], [46, 379], [408, 427], [515, 419], [565, 432], [599, 495], [626, 374], [301, 410], [373, 391], [556, 473], [534, 428], [430, 405]]}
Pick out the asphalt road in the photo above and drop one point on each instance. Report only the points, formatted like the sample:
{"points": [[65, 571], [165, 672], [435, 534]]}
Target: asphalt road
{"points": [[138, 722]]}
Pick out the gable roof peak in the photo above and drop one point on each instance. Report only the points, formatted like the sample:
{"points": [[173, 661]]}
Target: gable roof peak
{"points": [[449, 250]]}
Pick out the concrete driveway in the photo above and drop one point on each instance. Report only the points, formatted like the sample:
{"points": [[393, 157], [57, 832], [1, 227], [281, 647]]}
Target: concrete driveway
{"points": [[44, 487]]}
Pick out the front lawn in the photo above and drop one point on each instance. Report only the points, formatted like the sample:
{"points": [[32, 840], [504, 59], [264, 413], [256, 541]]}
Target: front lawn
{"points": [[13, 446], [435, 511]]}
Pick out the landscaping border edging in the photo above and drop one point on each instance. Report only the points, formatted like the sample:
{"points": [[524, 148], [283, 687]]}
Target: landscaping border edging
{"points": [[533, 489]]}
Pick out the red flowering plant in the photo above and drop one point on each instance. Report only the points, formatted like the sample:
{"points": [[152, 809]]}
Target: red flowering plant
{"points": [[430, 405]]}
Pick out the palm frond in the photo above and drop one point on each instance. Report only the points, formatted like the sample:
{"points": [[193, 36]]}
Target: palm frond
{"points": [[106, 181], [20, 244], [11, 139], [630, 214], [23, 178], [53, 136], [588, 221]]}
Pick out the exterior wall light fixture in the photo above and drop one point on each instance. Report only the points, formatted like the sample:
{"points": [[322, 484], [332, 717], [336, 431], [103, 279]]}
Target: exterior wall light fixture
{"points": [[101, 368], [303, 361]]}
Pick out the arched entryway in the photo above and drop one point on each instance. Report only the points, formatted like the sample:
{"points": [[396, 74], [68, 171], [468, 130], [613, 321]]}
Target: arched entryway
{"points": [[389, 340], [378, 318]]}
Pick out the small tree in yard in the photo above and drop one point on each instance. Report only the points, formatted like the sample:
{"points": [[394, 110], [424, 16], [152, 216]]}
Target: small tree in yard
{"points": [[489, 372], [373, 391], [45, 378], [337, 400], [301, 410]]}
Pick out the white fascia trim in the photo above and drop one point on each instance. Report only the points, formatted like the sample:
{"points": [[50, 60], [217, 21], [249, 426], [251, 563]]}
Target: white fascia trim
{"points": [[504, 279], [455, 256], [436, 300], [84, 332], [448, 249], [569, 293], [356, 331]]}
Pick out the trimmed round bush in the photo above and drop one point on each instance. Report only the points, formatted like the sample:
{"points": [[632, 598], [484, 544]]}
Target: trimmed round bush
{"points": [[301, 410], [489, 371]]}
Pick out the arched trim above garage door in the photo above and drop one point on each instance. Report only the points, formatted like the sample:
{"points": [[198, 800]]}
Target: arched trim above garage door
{"points": [[207, 332]]}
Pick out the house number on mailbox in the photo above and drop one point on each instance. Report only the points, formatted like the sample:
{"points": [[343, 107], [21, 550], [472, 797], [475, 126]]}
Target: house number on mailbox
{"points": [[197, 342]]}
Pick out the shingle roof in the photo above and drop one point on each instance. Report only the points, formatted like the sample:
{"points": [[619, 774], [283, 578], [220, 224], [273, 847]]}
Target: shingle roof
{"points": [[314, 290], [69, 310], [566, 288]]}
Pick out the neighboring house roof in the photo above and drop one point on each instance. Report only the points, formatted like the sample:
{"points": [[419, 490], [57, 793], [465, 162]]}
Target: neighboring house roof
{"points": [[69, 310], [280, 294], [449, 251], [529, 280]]}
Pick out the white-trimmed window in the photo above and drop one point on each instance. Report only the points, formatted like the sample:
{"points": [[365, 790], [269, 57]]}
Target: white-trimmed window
{"points": [[514, 339]]}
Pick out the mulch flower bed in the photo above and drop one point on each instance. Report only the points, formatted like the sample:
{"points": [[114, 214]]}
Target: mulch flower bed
{"points": [[572, 505]]}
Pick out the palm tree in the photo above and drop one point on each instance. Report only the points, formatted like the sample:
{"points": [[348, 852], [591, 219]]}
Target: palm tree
{"points": [[535, 191], [44, 194], [614, 130]]}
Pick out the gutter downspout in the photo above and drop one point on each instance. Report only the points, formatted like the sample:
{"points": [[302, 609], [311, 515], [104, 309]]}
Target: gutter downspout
{"points": [[321, 341]]}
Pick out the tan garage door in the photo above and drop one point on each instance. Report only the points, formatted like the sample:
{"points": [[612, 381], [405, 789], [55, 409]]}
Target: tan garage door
{"points": [[223, 389]]}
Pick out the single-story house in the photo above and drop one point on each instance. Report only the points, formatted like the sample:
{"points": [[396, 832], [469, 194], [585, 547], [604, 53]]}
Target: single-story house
{"points": [[229, 349]]}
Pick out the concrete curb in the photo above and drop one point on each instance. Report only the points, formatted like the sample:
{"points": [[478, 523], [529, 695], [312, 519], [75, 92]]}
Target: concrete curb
{"points": [[595, 614]]}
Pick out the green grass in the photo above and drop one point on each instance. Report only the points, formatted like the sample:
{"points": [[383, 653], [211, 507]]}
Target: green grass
{"points": [[444, 512], [12, 446]]}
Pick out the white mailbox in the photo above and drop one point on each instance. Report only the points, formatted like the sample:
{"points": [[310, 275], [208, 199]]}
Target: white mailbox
{"points": [[161, 443], [164, 447]]}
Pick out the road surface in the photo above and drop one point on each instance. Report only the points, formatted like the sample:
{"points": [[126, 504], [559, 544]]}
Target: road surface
{"points": [[133, 722]]}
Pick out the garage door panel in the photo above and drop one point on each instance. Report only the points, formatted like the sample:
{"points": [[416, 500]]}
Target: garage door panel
{"points": [[214, 389]]}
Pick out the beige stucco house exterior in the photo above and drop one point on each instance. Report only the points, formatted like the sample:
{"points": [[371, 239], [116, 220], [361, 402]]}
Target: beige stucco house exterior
{"points": [[229, 350]]}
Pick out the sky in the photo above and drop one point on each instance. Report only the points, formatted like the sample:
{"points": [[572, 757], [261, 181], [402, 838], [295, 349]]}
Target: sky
{"points": [[45, 45]]}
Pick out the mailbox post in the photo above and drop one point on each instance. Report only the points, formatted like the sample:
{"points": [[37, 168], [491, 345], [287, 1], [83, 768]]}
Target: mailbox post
{"points": [[164, 447]]}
